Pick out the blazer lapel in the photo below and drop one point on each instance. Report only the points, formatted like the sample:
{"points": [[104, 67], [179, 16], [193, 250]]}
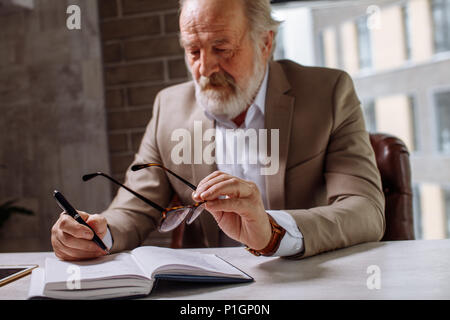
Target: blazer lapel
{"points": [[278, 115]]}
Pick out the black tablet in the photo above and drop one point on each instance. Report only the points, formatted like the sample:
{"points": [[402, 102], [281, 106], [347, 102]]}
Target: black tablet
{"points": [[11, 273]]}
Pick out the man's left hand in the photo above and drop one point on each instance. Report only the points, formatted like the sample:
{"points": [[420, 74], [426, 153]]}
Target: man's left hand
{"points": [[241, 215]]}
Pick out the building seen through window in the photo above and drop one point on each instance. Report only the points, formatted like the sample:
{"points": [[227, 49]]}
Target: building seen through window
{"points": [[417, 212], [364, 43], [442, 102], [406, 30], [398, 54], [441, 24], [370, 118], [447, 208]]}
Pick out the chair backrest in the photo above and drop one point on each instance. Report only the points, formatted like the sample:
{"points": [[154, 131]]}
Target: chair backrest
{"points": [[392, 159]]}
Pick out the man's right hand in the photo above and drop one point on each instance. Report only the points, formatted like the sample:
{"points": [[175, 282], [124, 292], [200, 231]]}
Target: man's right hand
{"points": [[72, 241]]}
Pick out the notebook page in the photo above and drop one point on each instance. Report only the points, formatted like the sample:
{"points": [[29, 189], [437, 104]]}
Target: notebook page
{"points": [[115, 265], [37, 281], [153, 258]]}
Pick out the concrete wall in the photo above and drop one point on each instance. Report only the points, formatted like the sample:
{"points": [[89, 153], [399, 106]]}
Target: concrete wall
{"points": [[52, 118]]}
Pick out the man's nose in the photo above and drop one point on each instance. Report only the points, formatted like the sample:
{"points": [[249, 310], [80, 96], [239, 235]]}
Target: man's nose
{"points": [[209, 64]]}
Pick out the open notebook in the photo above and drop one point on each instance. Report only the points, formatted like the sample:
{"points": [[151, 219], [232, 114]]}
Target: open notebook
{"points": [[128, 274]]}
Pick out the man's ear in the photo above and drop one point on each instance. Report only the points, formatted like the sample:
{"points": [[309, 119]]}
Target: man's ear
{"points": [[268, 44]]}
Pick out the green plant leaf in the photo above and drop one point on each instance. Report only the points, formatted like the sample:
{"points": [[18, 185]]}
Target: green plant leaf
{"points": [[19, 210], [6, 205], [7, 209]]}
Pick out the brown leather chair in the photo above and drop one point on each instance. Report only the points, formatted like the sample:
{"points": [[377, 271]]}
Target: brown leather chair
{"points": [[392, 159]]}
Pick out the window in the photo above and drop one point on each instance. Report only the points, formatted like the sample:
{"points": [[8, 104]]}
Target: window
{"points": [[369, 115], [447, 208], [364, 43], [279, 52], [406, 31], [387, 64], [441, 24], [417, 212], [442, 103], [321, 53], [415, 123]]}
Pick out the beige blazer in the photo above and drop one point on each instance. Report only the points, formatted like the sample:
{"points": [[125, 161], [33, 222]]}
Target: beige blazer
{"points": [[327, 179]]}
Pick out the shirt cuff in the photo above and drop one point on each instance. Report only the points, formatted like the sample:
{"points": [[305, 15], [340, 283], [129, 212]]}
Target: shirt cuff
{"points": [[107, 239], [292, 242]]}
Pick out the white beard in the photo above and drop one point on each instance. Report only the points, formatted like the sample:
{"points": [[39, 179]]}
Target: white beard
{"points": [[221, 102]]}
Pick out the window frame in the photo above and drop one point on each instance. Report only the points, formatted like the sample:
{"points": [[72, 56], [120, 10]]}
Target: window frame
{"points": [[435, 117], [417, 214]]}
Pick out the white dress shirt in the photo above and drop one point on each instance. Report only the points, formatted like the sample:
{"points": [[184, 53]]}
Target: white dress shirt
{"points": [[292, 242]]}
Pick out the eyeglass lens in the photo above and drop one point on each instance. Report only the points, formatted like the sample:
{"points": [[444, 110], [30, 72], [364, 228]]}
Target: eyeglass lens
{"points": [[197, 211], [173, 219]]}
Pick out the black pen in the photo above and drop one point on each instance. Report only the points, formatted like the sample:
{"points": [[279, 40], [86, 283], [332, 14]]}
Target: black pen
{"points": [[66, 206]]}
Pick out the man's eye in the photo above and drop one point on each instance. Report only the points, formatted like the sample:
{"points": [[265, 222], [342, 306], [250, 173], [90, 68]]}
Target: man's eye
{"points": [[226, 53], [221, 50], [194, 53]]}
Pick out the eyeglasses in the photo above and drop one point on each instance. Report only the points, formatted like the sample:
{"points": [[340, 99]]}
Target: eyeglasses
{"points": [[171, 217]]}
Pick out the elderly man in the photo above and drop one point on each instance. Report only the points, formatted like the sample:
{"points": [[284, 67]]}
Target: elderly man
{"points": [[326, 191]]}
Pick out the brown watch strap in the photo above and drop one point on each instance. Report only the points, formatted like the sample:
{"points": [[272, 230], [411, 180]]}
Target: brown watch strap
{"points": [[278, 233]]}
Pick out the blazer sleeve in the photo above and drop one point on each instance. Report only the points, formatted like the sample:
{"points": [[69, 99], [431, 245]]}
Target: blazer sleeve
{"points": [[355, 210], [130, 220]]}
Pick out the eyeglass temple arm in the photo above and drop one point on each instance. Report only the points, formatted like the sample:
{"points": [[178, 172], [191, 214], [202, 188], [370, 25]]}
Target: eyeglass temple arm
{"points": [[147, 201], [142, 166]]}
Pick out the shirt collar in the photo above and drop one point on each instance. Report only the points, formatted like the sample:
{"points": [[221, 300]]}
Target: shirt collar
{"points": [[259, 102]]}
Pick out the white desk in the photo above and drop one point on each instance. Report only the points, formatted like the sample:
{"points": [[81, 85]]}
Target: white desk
{"points": [[408, 270]]}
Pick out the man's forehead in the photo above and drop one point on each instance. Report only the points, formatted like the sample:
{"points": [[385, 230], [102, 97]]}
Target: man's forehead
{"points": [[216, 37], [209, 22], [212, 10]]}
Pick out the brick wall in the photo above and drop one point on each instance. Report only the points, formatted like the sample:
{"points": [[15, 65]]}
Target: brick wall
{"points": [[141, 55]]}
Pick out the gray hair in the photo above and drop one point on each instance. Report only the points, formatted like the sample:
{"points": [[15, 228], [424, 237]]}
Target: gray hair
{"points": [[259, 15]]}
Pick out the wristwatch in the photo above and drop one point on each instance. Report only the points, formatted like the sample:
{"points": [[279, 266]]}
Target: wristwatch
{"points": [[278, 233]]}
